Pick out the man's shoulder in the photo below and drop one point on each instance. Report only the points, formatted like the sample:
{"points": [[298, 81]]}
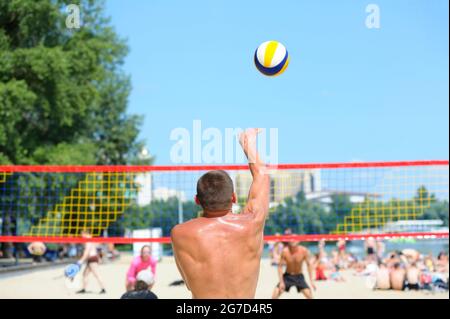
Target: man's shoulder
{"points": [[192, 227], [186, 228]]}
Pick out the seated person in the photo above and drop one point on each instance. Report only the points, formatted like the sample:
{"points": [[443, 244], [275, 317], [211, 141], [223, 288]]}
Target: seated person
{"points": [[413, 277], [398, 276], [370, 269], [442, 263], [383, 281], [144, 283], [336, 274], [320, 268]]}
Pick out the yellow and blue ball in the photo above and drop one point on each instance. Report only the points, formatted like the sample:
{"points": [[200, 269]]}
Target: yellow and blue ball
{"points": [[271, 58]]}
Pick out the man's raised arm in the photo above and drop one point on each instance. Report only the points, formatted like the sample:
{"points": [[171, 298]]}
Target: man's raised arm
{"points": [[258, 197]]}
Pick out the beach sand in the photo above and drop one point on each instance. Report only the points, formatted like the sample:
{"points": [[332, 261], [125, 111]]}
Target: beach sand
{"points": [[50, 284]]}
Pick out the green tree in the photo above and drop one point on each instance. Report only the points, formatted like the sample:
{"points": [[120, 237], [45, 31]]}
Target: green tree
{"points": [[423, 197], [63, 93], [341, 205], [301, 215], [159, 213], [434, 208], [437, 210]]}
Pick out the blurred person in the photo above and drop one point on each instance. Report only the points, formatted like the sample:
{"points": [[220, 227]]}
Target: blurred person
{"points": [[359, 267], [426, 280], [334, 259], [429, 263], [139, 263], [142, 288], [51, 253], [320, 268], [411, 255], [412, 277], [442, 263], [336, 274], [383, 281], [92, 259], [352, 260], [341, 247], [72, 251], [323, 256], [370, 269], [275, 252], [287, 232], [439, 281], [321, 246], [294, 256], [370, 248], [63, 251], [392, 259], [397, 277], [37, 249], [381, 247], [113, 253]]}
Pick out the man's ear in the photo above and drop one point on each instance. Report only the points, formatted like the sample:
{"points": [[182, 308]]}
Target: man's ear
{"points": [[234, 198], [196, 200]]}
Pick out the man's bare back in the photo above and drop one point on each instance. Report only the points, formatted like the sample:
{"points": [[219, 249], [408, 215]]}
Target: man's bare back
{"points": [[219, 254]]}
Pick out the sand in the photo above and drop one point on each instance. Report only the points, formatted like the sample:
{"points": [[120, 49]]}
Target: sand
{"points": [[50, 284]]}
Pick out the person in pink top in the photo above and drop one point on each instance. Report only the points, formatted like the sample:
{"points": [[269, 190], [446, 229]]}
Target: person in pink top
{"points": [[141, 262]]}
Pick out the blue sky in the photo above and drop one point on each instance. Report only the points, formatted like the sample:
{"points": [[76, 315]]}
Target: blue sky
{"points": [[349, 93]]}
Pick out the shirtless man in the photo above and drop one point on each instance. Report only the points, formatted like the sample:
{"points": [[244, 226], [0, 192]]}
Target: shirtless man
{"points": [[293, 257], [219, 254], [383, 279], [37, 250], [398, 277], [413, 277]]}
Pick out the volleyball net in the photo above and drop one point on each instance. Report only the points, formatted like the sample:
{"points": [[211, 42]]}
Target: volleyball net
{"points": [[313, 201]]}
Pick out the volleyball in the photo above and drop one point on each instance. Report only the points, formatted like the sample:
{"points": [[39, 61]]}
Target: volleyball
{"points": [[271, 58]]}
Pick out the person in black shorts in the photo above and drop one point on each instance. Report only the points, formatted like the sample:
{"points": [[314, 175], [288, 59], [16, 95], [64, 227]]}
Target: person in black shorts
{"points": [[370, 246], [293, 256], [297, 281], [412, 277]]}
